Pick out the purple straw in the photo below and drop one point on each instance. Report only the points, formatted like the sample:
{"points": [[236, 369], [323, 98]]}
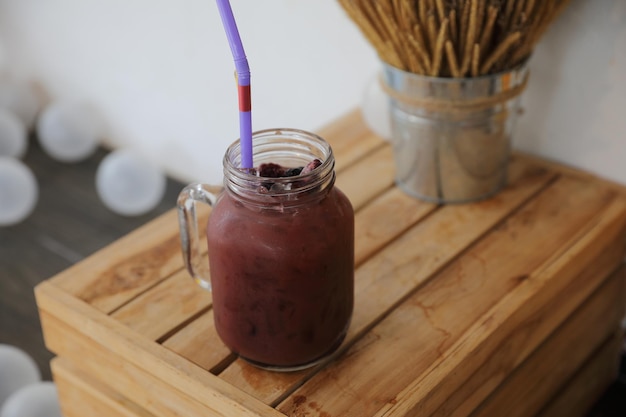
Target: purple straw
{"points": [[243, 81]]}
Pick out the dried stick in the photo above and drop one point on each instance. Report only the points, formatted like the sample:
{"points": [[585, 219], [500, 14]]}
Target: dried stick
{"points": [[369, 31], [441, 10], [516, 14], [463, 28], [422, 53], [529, 39], [530, 5], [545, 14], [508, 12], [419, 36], [500, 50], [388, 20], [469, 41], [554, 11], [480, 17], [453, 37], [454, 31], [431, 9], [412, 56], [475, 60], [409, 14], [394, 58], [394, 37], [415, 65], [432, 32], [396, 13], [388, 7], [485, 39], [377, 35], [370, 11], [423, 15], [438, 55], [451, 55]]}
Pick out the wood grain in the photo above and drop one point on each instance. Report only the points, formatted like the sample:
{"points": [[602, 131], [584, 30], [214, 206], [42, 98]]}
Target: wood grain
{"points": [[368, 178], [82, 396], [350, 139], [530, 333], [516, 308], [571, 171], [585, 331], [171, 303], [200, 343], [127, 267], [384, 219], [112, 352], [426, 326]]}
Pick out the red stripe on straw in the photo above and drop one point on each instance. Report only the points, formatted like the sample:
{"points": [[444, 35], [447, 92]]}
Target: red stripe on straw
{"points": [[245, 102]]}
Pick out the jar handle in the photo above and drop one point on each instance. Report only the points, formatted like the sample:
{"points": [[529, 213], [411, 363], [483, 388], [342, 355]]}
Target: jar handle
{"points": [[189, 233]]}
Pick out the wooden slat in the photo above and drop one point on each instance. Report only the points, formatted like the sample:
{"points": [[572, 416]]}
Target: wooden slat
{"points": [[129, 363], [588, 385], [350, 139], [421, 331], [157, 312], [406, 263], [157, 396], [384, 219], [369, 177], [127, 267], [572, 171], [200, 343], [556, 361], [81, 396]]}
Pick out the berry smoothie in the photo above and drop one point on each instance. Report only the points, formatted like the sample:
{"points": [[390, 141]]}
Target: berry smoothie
{"points": [[282, 276]]}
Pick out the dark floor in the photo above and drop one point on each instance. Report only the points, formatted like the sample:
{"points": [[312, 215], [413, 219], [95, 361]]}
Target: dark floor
{"points": [[613, 403], [70, 223]]}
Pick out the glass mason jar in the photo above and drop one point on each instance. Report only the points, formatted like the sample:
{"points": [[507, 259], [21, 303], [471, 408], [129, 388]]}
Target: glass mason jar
{"points": [[281, 253]]}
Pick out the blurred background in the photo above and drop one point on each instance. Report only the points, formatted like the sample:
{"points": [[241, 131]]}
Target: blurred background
{"points": [[161, 74]]}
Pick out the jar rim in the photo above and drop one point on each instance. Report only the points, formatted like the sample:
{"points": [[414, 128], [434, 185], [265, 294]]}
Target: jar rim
{"points": [[305, 145]]}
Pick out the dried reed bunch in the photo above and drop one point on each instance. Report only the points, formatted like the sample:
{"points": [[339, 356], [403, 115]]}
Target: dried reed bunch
{"points": [[453, 38]]}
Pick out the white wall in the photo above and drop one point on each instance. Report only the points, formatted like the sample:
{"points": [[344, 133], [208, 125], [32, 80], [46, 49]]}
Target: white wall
{"points": [[576, 100], [162, 73]]}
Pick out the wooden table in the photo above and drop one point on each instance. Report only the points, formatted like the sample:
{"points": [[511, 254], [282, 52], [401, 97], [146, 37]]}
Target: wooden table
{"points": [[509, 306]]}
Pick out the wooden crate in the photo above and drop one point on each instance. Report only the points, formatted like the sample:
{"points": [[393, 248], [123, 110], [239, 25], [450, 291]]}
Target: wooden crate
{"points": [[509, 306]]}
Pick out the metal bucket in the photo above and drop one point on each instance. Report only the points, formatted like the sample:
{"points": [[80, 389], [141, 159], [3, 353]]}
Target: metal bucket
{"points": [[452, 137]]}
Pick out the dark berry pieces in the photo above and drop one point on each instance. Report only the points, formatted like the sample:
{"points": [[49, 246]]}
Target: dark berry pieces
{"points": [[292, 172], [271, 170], [311, 166]]}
